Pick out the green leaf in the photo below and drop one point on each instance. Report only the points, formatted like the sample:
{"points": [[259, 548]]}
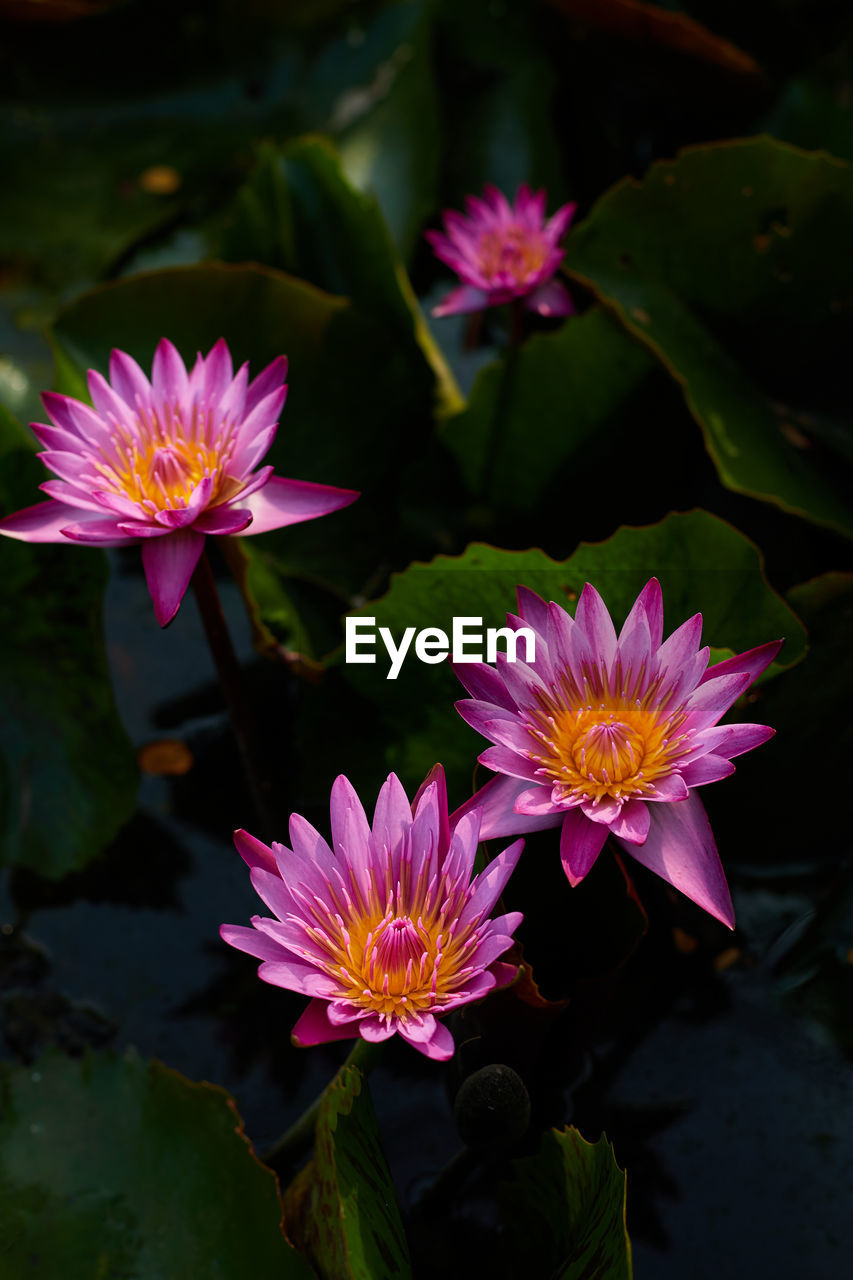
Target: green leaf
{"points": [[123, 1168], [575, 384], [564, 1213], [67, 772], [341, 1209], [730, 264], [704, 565]]}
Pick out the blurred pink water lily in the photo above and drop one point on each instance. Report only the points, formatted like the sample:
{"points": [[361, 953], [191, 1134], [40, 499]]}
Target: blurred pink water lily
{"points": [[165, 463], [385, 929], [603, 734], [502, 251]]}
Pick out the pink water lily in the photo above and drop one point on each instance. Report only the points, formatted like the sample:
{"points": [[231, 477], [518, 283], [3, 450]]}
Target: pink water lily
{"points": [[604, 734], [385, 929], [502, 251], [165, 463]]}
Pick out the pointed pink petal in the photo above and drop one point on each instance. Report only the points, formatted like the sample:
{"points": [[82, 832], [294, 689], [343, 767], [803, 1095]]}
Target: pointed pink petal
{"points": [[681, 646], [267, 381], [487, 887], [436, 775], [559, 221], [374, 1031], [670, 789], [282, 502], [168, 373], [436, 1042], [505, 760], [106, 400], [314, 1026], [218, 371], [128, 380], [75, 417], [581, 841], [80, 501], [223, 520], [733, 739], [713, 698], [532, 609], [294, 976], [680, 848], [537, 802], [648, 607], [42, 522], [461, 301], [169, 563], [105, 532], [751, 663], [592, 617], [551, 299], [483, 683], [254, 852], [392, 817], [497, 801], [633, 822], [256, 944], [709, 768]]}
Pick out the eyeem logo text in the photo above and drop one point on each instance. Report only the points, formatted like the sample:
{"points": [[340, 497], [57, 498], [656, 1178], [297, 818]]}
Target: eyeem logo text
{"points": [[432, 645]]}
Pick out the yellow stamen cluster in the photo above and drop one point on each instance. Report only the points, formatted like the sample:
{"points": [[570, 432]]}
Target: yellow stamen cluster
{"points": [[513, 250]]}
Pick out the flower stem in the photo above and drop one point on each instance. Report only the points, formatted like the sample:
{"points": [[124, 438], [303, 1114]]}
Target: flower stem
{"points": [[228, 669], [296, 1140], [516, 322]]}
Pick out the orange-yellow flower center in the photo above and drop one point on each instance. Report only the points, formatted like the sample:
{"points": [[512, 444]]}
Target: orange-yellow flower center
{"points": [[513, 250], [160, 463], [606, 744], [397, 965]]}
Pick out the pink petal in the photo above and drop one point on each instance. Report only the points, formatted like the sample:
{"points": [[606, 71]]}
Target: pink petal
{"points": [[106, 400], [375, 1031], [223, 520], [670, 789], [128, 380], [633, 822], [505, 760], [581, 841], [282, 502], [499, 818], [708, 768], [484, 684], [218, 371], [314, 1026], [556, 225], [648, 605], [532, 609], [294, 976], [392, 817], [713, 698], [42, 522], [76, 498], [487, 887], [751, 663], [462, 301], [268, 380], [256, 944], [254, 852], [680, 848], [438, 1045], [168, 373], [169, 564], [536, 801], [103, 532], [76, 417], [733, 739], [551, 299], [592, 617], [436, 775]]}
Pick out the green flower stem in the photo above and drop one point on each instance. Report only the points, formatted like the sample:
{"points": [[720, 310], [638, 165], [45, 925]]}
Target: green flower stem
{"points": [[295, 1141], [228, 669]]}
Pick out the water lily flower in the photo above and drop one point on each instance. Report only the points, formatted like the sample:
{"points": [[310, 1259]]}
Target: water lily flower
{"points": [[603, 734], [502, 251], [165, 463], [385, 929]]}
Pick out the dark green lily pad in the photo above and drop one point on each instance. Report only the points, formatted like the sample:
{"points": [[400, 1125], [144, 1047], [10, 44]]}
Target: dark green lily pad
{"points": [[564, 1212], [730, 264], [123, 1168], [341, 1209], [67, 772]]}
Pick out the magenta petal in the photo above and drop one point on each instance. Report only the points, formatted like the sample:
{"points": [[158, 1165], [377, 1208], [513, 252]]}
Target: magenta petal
{"points": [[733, 739], [669, 789], [709, 768], [128, 380], [436, 775], [581, 841], [103, 532], [168, 373], [254, 943], [594, 620], [680, 848], [254, 852], [169, 563], [268, 380], [462, 301], [375, 1031], [484, 684], [223, 520], [497, 802], [40, 523], [314, 1026], [633, 822], [282, 502], [533, 609], [430, 1036], [537, 801], [751, 663]]}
